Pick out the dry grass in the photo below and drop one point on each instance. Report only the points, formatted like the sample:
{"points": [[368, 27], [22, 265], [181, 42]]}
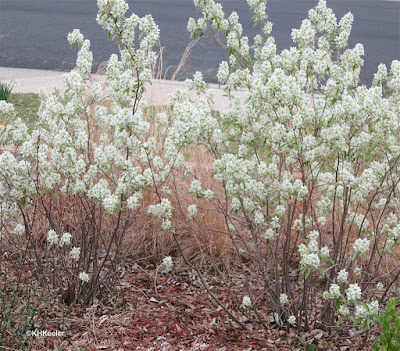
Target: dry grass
{"points": [[204, 240]]}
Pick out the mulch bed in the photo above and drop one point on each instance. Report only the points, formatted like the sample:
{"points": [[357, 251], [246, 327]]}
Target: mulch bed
{"points": [[151, 310]]}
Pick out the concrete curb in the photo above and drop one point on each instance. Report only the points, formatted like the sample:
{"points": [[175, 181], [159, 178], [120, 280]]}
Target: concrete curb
{"points": [[32, 80]]}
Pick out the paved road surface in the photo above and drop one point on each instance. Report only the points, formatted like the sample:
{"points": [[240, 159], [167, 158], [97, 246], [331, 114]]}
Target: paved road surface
{"points": [[33, 32]]}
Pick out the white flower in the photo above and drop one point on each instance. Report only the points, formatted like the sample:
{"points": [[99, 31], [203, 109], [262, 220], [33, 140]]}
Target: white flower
{"points": [[246, 301], [313, 246], [344, 310], [275, 222], [313, 235], [311, 260], [270, 234], [303, 250], [321, 220], [280, 210], [191, 25], [133, 201], [19, 229], [361, 246], [167, 262], [324, 251], [373, 307], [208, 194], [283, 299], [6, 108], [334, 290], [353, 292], [84, 277], [292, 320], [380, 286], [192, 211], [52, 237], [75, 37], [357, 271], [258, 217], [162, 210], [360, 311], [166, 225], [65, 239], [97, 91], [342, 276], [110, 203], [223, 72], [195, 187], [75, 252]]}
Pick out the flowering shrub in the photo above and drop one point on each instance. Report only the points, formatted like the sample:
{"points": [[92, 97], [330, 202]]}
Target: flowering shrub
{"points": [[307, 164], [73, 187], [308, 161]]}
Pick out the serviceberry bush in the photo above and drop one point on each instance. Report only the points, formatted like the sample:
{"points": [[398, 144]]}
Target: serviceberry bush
{"points": [[308, 161], [72, 188]]}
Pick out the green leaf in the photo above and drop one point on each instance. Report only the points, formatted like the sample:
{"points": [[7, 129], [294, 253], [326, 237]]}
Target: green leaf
{"points": [[302, 340]]}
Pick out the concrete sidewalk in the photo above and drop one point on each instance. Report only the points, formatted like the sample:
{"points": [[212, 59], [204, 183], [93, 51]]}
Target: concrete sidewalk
{"points": [[32, 80]]}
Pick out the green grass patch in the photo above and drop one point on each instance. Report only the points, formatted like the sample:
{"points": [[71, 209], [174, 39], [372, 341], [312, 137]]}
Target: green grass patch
{"points": [[26, 106]]}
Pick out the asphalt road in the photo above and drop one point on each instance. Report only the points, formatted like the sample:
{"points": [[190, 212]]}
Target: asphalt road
{"points": [[33, 32]]}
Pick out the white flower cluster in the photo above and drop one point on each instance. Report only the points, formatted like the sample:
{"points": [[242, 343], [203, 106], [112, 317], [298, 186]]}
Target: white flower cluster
{"points": [[333, 292], [361, 246], [84, 277], [75, 253], [133, 201], [75, 38], [19, 229], [246, 302], [65, 239], [292, 320], [342, 276], [195, 188], [270, 234], [363, 310], [85, 59], [192, 211], [311, 260], [310, 254], [162, 210], [283, 299], [353, 292], [6, 108], [52, 237], [167, 263], [197, 82]]}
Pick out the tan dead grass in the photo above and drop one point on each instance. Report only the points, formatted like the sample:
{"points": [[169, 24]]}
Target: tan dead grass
{"points": [[204, 240]]}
